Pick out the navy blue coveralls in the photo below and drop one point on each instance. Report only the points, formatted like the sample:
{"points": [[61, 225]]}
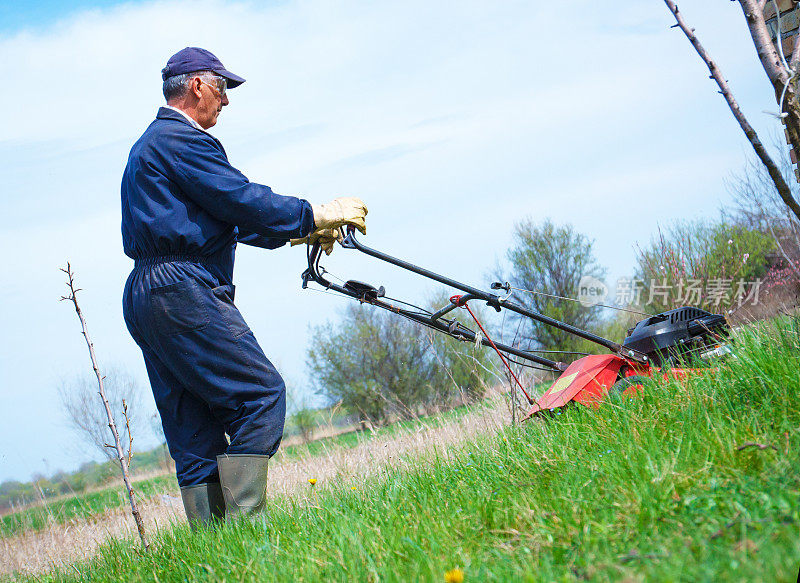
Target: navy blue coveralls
{"points": [[184, 207]]}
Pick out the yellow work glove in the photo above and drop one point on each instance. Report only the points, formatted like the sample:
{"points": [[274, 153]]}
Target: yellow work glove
{"points": [[347, 210], [325, 237]]}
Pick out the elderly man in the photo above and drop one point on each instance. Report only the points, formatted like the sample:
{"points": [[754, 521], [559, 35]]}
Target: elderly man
{"points": [[184, 208]]}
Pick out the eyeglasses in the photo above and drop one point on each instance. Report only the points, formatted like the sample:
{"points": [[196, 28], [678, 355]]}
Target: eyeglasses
{"points": [[221, 85]]}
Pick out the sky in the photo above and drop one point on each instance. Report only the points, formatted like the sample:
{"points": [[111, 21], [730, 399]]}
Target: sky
{"points": [[452, 121]]}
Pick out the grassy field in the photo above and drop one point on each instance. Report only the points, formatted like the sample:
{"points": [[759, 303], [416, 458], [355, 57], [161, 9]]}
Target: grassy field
{"points": [[80, 506], [662, 487]]}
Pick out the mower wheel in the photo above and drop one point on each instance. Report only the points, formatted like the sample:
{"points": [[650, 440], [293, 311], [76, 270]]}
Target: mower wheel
{"points": [[623, 385]]}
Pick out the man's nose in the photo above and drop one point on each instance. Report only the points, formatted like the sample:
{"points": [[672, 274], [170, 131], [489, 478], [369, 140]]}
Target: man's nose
{"points": [[225, 100]]}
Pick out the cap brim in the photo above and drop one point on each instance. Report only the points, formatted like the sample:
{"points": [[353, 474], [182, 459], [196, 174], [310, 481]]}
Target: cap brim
{"points": [[233, 80]]}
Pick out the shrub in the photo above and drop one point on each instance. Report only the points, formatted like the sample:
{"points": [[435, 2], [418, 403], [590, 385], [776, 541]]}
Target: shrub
{"points": [[713, 266], [551, 259], [380, 366]]}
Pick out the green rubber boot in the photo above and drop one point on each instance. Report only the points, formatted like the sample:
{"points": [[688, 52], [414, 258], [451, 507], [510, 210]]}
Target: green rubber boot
{"points": [[203, 503], [244, 483]]}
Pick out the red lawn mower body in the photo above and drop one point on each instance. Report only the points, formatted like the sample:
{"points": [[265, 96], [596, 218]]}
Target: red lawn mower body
{"points": [[588, 381]]}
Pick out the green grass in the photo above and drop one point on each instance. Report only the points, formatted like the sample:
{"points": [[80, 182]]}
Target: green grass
{"points": [[81, 506], [643, 489]]}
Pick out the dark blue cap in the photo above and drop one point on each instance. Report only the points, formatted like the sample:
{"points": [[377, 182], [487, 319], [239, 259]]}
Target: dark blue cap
{"points": [[193, 59]]}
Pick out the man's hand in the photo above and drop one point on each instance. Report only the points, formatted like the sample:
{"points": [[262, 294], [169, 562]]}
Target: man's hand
{"points": [[325, 237], [347, 210]]}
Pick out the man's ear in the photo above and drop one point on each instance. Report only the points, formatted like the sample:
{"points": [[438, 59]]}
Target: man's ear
{"points": [[194, 87]]}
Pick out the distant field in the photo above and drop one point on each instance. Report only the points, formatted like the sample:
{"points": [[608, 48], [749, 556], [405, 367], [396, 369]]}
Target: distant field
{"points": [[80, 506], [695, 482], [354, 437]]}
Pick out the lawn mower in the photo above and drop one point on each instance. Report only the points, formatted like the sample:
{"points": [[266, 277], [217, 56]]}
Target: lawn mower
{"points": [[665, 344]]}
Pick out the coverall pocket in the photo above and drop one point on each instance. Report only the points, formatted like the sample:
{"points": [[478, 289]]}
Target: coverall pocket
{"points": [[223, 295], [178, 307]]}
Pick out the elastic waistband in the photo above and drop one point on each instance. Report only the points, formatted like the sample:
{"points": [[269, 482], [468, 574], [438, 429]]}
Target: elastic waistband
{"points": [[156, 259]]}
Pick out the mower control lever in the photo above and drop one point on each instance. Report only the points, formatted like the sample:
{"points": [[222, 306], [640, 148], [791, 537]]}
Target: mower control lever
{"points": [[506, 287], [348, 240]]}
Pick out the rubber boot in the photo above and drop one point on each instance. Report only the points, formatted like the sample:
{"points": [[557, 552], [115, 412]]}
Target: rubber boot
{"points": [[244, 483], [203, 503]]}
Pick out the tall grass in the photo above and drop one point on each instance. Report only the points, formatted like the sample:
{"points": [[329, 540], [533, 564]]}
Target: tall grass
{"points": [[650, 488], [353, 438]]}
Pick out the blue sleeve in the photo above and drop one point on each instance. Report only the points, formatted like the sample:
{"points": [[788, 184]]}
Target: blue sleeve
{"points": [[258, 241], [203, 173]]}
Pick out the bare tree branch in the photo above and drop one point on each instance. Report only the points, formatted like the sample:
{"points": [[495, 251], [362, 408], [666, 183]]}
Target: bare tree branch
{"points": [[78, 398], [774, 172], [760, 207], [128, 428], [72, 297]]}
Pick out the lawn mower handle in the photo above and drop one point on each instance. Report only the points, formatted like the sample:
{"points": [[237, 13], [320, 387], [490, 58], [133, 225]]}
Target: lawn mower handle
{"points": [[350, 242], [369, 294]]}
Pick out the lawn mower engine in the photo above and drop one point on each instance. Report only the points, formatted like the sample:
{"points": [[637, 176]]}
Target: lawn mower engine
{"points": [[679, 335]]}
